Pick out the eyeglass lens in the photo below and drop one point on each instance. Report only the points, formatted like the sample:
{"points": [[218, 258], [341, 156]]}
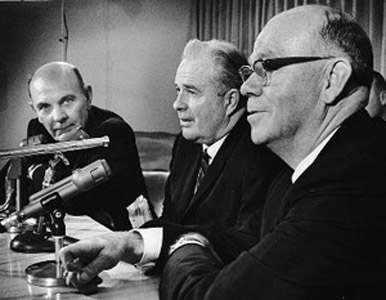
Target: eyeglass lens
{"points": [[258, 68]]}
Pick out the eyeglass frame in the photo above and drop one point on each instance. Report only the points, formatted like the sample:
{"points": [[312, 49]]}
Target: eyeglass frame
{"points": [[273, 64]]}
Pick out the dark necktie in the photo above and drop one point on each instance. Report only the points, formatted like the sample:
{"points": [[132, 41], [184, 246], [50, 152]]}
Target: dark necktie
{"points": [[204, 164]]}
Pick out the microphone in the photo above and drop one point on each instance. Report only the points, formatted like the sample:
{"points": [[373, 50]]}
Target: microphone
{"points": [[52, 197]]}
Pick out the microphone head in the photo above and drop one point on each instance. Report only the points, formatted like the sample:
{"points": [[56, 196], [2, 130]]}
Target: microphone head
{"points": [[91, 175], [81, 180]]}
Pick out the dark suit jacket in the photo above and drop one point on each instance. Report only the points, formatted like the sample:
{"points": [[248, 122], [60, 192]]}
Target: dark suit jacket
{"points": [[126, 182], [228, 204], [323, 237]]}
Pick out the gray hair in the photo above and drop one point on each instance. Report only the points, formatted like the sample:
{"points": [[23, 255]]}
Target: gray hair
{"points": [[342, 32], [226, 60]]}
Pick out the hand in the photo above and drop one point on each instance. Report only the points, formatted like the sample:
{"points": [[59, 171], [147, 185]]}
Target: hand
{"points": [[84, 260], [86, 289], [74, 134]]}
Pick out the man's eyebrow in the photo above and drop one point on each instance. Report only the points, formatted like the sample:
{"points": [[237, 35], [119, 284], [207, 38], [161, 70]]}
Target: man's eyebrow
{"points": [[40, 103], [65, 97], [191, 87]]}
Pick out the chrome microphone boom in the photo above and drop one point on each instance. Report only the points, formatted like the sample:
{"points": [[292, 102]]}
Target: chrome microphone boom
{"points": [[55, 147]]}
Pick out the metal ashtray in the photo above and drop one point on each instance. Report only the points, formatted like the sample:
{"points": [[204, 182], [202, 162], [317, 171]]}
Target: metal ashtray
{"points": [[44, 274]]}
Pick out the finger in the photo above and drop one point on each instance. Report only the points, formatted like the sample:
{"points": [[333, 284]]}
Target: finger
{"points": [[66, 258], [93, 268], [84, 250], [88, 288], [75, 265], [74, 134]]}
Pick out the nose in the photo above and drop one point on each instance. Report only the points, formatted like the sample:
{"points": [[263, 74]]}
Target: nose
{"points": [[252, 86], [59, 115], [180, 104]]}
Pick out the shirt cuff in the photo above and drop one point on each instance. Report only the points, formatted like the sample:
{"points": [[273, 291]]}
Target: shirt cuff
{"points": [[191, 238], [152, 244], [194, 238]]}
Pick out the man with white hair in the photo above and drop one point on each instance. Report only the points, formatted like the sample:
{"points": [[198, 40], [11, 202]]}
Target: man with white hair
{"points": [[324, 223]]}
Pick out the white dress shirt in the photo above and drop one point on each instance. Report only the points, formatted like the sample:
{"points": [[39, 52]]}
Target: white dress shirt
{"points": [[310, 158]]}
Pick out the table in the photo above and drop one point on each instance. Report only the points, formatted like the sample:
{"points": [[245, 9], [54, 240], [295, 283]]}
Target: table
{"points": [[122, 282]]}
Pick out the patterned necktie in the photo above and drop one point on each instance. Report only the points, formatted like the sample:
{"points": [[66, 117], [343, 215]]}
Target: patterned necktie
{"points": [[202, 169]]}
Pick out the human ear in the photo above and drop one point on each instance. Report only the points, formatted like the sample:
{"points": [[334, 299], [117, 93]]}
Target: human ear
{"points": [[382, 97], [88, 93], [232, 98], [338, 75]]}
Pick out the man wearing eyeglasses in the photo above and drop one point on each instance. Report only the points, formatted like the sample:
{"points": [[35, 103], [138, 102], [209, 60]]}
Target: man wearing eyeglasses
{"points": [[221, 198], [323, 231]]}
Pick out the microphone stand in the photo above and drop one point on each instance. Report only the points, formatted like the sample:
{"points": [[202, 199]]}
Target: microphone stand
{"points": [[13, 179], [50, 200], [50, 273], [39, 239]]}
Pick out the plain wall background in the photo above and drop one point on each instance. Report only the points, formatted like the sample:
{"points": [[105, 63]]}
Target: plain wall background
{"points": [[127, 50]]}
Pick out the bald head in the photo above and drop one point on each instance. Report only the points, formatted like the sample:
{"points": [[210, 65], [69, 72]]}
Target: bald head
{"points": [[323, 31], [60, 99], [56, 71], [293, 31]]}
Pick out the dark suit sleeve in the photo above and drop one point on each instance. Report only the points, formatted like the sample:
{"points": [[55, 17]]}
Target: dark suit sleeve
{"points": [[193, 273], [330, 240]]}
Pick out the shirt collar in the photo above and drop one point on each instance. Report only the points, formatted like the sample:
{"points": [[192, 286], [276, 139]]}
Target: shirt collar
{"points": [[310, 158], [214, 148]]}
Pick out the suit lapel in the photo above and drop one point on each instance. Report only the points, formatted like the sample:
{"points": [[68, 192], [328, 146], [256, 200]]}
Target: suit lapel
{"points": [[216, 167], [183, 185]]}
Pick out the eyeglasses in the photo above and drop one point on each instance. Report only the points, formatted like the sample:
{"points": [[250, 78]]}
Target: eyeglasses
{"points": [[262, 67]]}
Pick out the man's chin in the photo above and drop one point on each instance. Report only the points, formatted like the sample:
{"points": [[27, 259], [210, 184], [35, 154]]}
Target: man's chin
{"points": [[258, 137], [188, 135]]}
